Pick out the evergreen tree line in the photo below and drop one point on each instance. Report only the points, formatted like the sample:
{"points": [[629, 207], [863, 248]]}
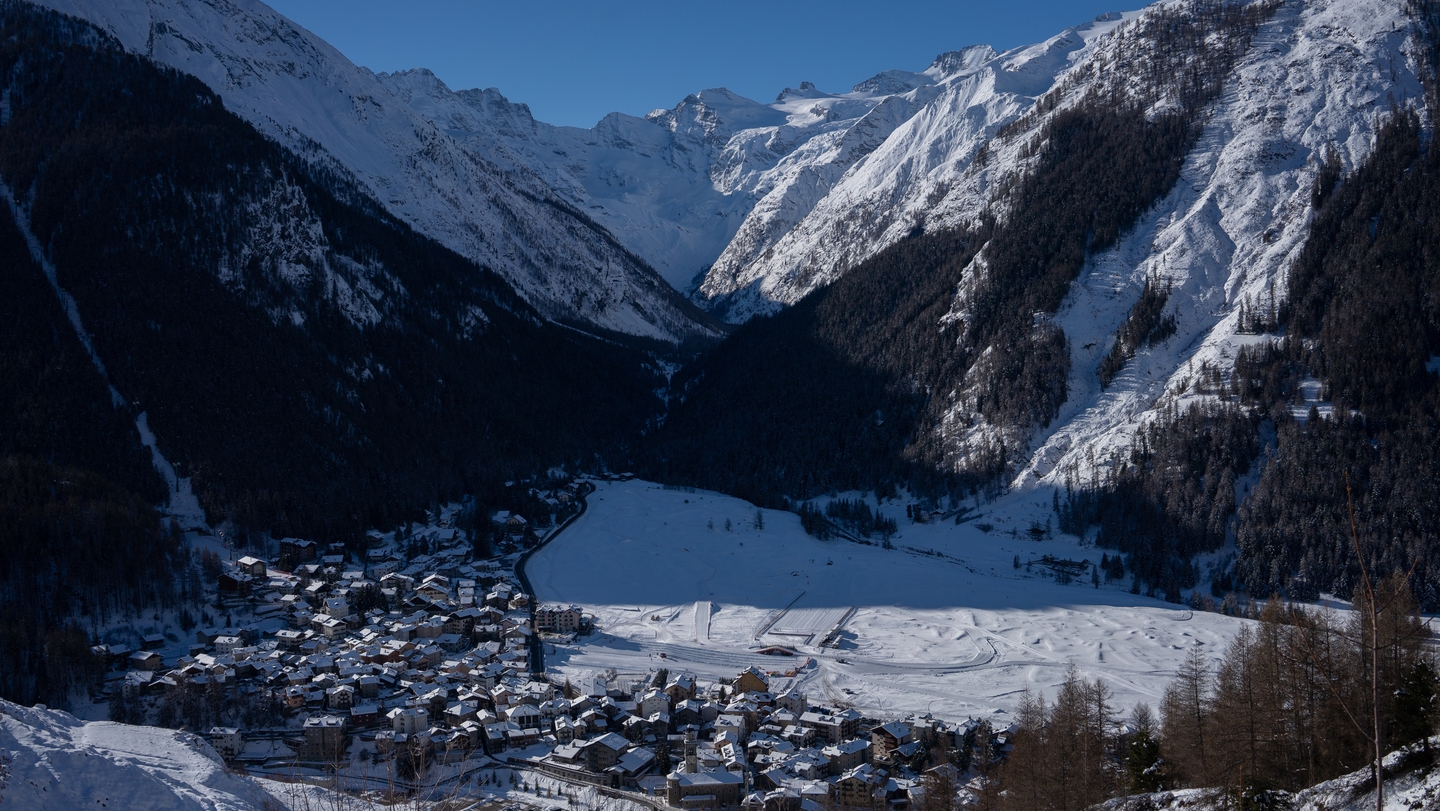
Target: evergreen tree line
{"points": [[859, 517], [1288, 705], [1173, 498], [857, 385], [81, 542], [1363, 316], [79, 551]]}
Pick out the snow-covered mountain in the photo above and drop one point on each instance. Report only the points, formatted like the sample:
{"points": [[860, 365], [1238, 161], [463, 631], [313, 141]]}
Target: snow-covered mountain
{"points": [[299, 90], [779, 199], [804, 234], [751, 206], [1179, 145], [678, 185], [52, 760], [747, 205], [1317, 76]]}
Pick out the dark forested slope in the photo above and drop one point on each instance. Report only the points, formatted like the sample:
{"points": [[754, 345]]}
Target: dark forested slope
{"points": [[313, 363], [78, 533]]}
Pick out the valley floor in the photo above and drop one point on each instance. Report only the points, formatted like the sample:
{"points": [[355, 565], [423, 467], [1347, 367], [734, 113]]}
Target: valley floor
{"points": [[958, 633]]}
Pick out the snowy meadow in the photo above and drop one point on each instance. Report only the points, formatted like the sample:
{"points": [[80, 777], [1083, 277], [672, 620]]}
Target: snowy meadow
{"points": [[944, 622]]}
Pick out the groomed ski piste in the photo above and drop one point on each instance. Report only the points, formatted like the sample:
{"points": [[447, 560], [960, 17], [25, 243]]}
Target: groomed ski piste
{"points": [[943, 623]]}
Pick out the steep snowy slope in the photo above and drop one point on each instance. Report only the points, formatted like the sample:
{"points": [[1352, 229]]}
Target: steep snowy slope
{"points": [[1180, 147], [297, 89], [790, 244], [648, 187], [1316, 78], [52, 760], [1410, 785]]}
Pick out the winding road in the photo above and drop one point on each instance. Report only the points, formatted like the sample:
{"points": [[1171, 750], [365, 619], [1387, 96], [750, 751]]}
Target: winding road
{"points": [[537, 647]]}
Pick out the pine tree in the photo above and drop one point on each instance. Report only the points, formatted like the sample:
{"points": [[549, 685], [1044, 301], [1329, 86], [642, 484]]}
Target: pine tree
{"points": [[1142, 753], [1184, 719]]}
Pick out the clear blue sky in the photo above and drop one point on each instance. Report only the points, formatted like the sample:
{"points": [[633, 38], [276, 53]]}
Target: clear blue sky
{"points": [[573, 62]]}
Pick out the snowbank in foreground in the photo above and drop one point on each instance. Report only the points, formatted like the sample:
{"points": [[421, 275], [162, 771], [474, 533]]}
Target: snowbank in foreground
{"points": [[52, 760]]}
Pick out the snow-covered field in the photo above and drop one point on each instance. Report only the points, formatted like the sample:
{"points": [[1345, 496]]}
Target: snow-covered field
{"points": [[958, 634]]}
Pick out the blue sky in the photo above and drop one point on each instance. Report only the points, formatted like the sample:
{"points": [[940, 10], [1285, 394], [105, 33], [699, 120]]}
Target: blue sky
{"points": [[573, 62]]}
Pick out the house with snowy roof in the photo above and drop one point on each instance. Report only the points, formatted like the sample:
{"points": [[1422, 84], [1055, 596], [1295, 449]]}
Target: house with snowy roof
{"points": [[558, 618], [751, 679], [887, 738]]}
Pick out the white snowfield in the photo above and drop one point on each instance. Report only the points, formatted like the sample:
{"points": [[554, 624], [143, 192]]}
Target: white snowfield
{"points": [[959, 635], [297, 89], [51, 760]]}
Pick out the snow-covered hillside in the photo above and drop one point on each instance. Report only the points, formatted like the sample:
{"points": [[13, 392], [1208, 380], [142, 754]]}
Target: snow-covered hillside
{"points": [[760, 204], [1316, 77], [51, 760], [793, 244], [305, 94], [766, 201], [1333, 62], [1410, 786]]}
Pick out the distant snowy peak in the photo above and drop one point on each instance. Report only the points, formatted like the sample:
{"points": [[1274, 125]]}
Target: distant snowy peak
{"points": [[890, 82], [297, 89], [703, 188], [965, 60]]}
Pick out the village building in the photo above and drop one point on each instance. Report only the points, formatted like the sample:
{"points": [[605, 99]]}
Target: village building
{"points": [[751, 679], [558, 618], [227, 741], [681, 687], [325, 740], [409, 720], [236, 584], [856, 788], [833, 727], [886, 738], [604, 751], [846, 755], [298, 550], [145, 660], [252, 566], [704, 790]]}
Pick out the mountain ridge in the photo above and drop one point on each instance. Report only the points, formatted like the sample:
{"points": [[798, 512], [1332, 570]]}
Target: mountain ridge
{"points": [[300, 91]]}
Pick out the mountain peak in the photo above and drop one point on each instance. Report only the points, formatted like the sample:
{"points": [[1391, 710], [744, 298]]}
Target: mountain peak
{"points": [[961, 61], [807, 91]]}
